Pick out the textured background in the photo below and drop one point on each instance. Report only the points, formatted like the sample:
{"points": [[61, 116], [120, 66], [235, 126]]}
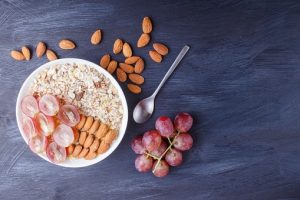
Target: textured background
{"points": [[240, 81]]}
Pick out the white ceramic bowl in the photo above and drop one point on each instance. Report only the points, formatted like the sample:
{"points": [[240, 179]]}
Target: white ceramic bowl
{"points": [[75, 162]]}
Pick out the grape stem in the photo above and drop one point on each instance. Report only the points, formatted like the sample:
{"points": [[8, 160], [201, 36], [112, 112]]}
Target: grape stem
{"points": [[148, 154]]}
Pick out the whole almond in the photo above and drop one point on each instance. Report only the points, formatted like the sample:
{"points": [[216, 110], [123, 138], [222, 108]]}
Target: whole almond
{"points": [[161, 48], [91, 155], [40, 49], [132, 60], [17, 55], [143, 40], [96, 37], [26, 52], [139, 66], [156, 57], [83, 153], [51, 55], [66, 44], [118, 45], [126, 68], [103, 147], [134, 88], [95, 145], [89, 140], [121, 75], [127, 52], [112, 66], [136, 78], [104, 62], [77, 150], [147, 25]]}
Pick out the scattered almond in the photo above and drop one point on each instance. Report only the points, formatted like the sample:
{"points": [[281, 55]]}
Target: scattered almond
{"points": [[40, 49], [147, 25], [127, 52], [139, 66], [136, 78], [104, 62], [156, 57], [96, 37], [132, 60], [134, 88], [26, 52], [121, 75], [66, 44], [51, 55], [112, 66], [143, 40], [126, 67], [17, 55], [161, 48], [118, 46]]}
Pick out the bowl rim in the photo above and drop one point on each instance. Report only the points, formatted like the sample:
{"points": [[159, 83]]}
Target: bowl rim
{"points": [[79, 162]]}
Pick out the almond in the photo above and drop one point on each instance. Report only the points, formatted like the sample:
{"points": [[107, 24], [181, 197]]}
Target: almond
{"points": [[26, 52], [66, 44], [136, 78], [147, 25], [161, 48], [127, 52], [40, 49], [91, 155], [118, 45], [103, 147], [121, 75], [134, 88], [112, 66], [156, 57], [51, 55], [17, 55], [143, 40], [126, 68], [139, 66], [96, 37], [132, 60], [104, 62]]}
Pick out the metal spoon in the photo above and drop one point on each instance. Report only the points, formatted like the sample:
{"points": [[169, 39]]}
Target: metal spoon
{"points": [[144, 109]]}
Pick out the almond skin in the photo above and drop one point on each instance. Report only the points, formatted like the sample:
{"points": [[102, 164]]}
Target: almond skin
{"points": [[139, 66], [26, 52], [147, 25], [118, 46], [127, 52], [51, 55], [134, 88], [112, 66], [96, 37], [136, 78], [17, 55], [121, 75], [161, 49], [143, 40], [126, 68], [66, 44], [156, 57], [104, 62], [132, 60], [40, 49]]}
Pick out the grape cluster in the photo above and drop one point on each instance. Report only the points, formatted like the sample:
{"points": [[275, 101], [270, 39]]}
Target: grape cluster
{"points": [[162, 147]]}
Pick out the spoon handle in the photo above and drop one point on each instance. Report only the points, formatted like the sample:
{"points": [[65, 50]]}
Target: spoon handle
{"points": [[182, 53]]}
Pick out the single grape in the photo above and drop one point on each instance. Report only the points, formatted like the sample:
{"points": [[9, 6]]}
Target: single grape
{"points": [[137, 145], [28, 127], [37, 143], [143, 163], [29, 106], [164, 126], [69, 115], [56, 153], [49, 105], [161, 149], [161, 170], [183, 122], [183, 142], [151, 140], [44, 124], [63, 135], [174, 157]]}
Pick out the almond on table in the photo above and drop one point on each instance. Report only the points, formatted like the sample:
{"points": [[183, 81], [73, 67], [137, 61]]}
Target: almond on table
{"points": [[40, 49], [161, 48], [112, 66], [147, 25], [126, 67], [143, 40], [51, 55], [156, 57], [96, 37], [132, 60], [104, 62], [118, 46], [127, 52], [17, 55], [139, 66], [67, 44], [134, 88], [121, 75], [136, 78], [26, 52]]}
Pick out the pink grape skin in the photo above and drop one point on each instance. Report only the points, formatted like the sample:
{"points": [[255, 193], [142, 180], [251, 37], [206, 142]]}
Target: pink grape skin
{"points": [[137, 145], [173, 157], [183, 142], [161, 149], [143, 163], [151, 140], [161, 170], [183, 122], [164, 126]]}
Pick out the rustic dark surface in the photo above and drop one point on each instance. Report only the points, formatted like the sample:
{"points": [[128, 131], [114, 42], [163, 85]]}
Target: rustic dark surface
{"points": [[240, 81]]}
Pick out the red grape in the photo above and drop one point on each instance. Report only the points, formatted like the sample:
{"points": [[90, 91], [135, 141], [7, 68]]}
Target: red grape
{"points": [[29, 106], [174, 157], [56, 153], [28, 127], [161, 149], [161, 170], [183, 122], [164, 126], [143, 163], [37, 143], [63, 135], [151, 140], [137, 145], [69, 115], [44, 124], [183, 142], [49, 105]]}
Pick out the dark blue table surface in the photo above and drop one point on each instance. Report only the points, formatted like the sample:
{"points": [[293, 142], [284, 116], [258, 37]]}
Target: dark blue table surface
{"points": [[240, 81]]}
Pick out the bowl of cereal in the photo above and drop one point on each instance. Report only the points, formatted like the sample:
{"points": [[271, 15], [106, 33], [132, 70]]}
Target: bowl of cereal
{"points": [[71, 112]]}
